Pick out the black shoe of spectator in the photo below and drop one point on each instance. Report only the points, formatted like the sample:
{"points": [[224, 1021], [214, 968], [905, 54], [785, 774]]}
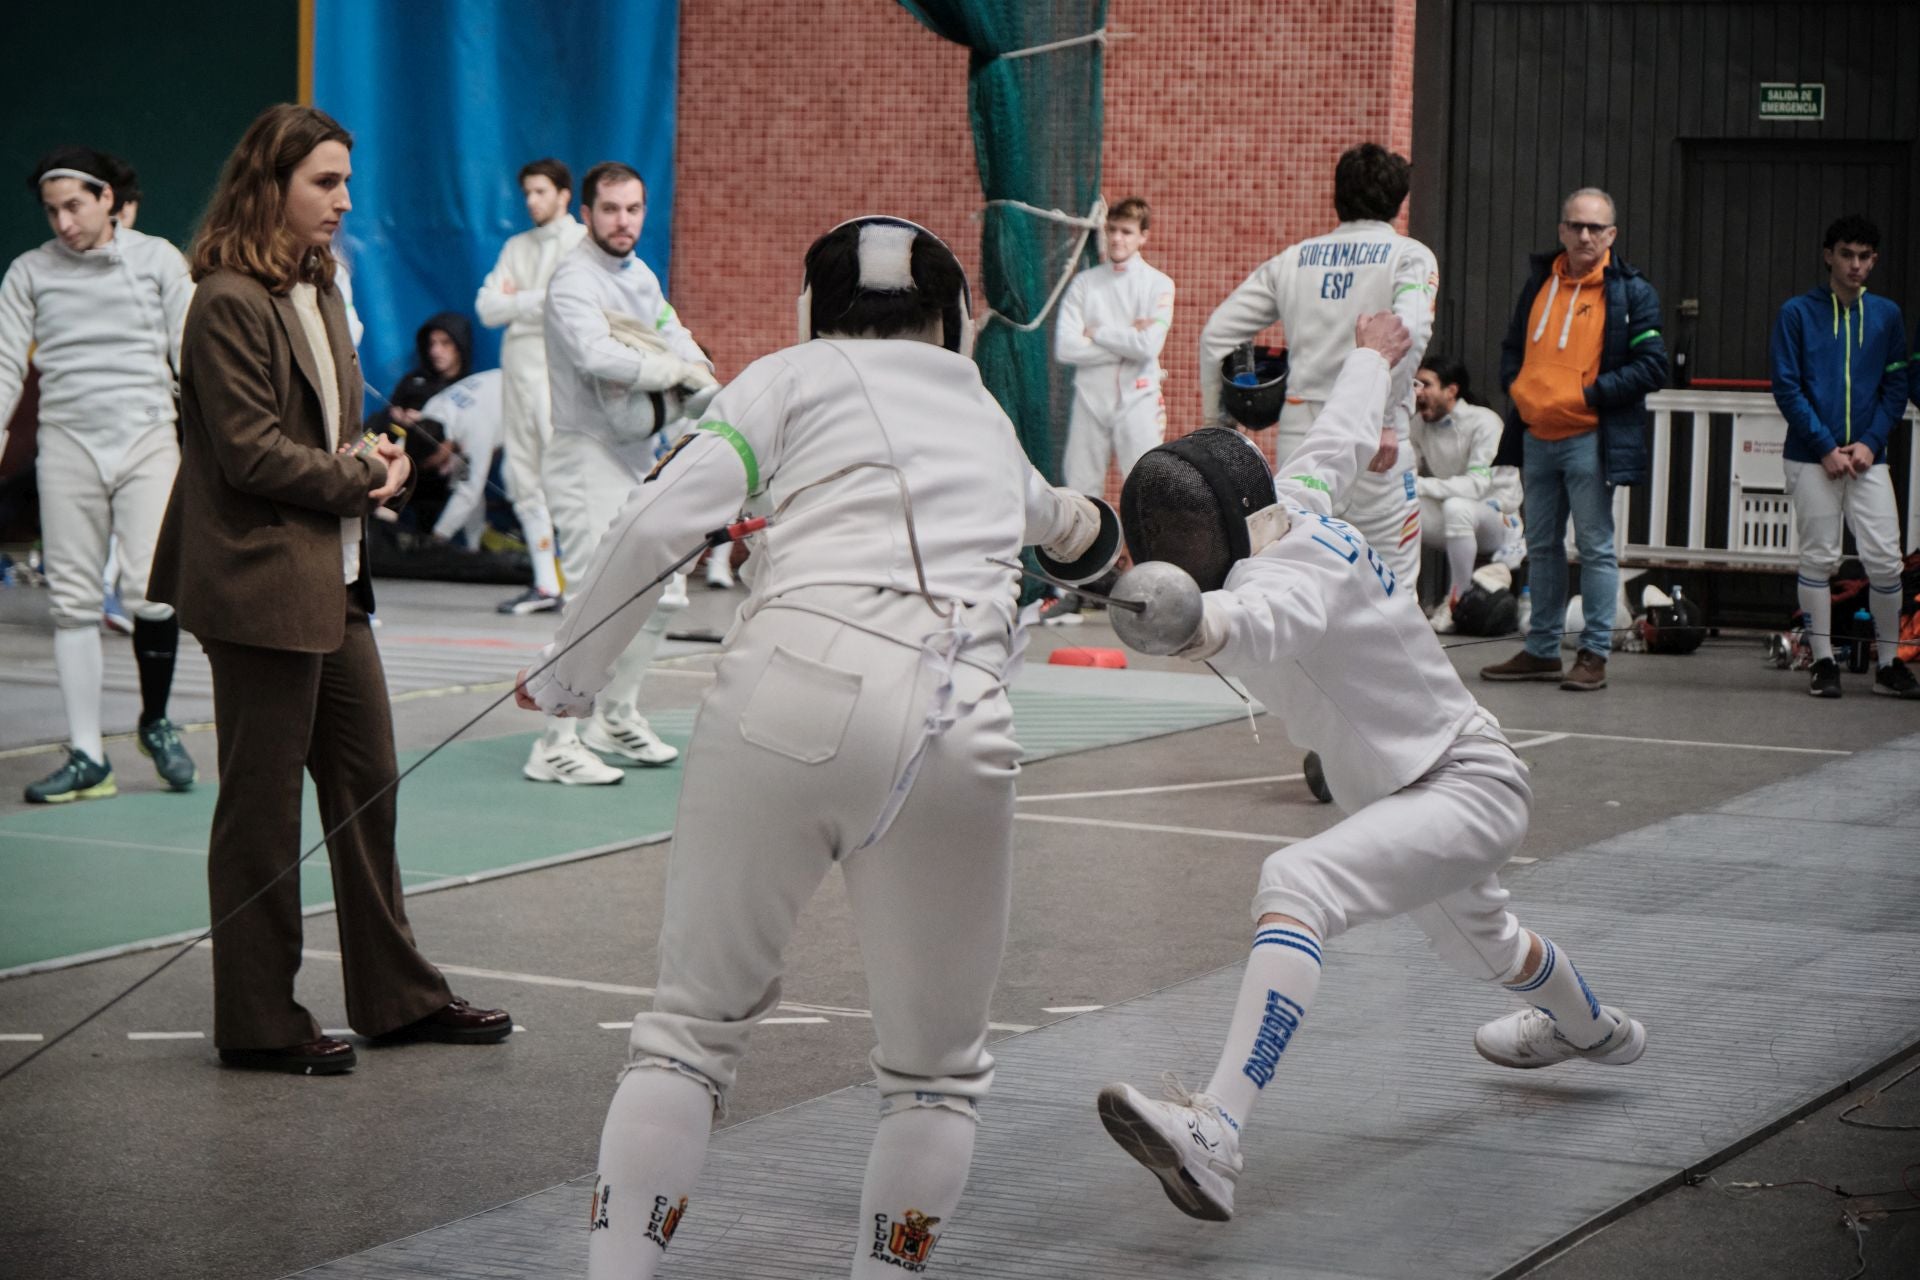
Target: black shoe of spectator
{"points": [[1826, 679], [1896, 681]]}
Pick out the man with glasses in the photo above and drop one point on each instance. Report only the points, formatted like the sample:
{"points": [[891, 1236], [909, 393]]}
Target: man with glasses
{"points": [[1581, 353]]}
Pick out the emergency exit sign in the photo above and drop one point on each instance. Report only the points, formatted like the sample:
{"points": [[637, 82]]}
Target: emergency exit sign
{"points": [[1793, 102]]}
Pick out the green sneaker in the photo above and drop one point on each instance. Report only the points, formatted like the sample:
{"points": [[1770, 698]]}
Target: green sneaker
{"points": [[80, 778], [160, 742]]}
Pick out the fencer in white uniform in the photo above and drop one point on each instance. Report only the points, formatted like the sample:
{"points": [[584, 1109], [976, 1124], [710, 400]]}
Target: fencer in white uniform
{"points": [[99, 308], [1316, 290], [1468, 506], [620, 368], [514, 295], [1321, 631], [862, 696], [1113, 321], [468, 415]]}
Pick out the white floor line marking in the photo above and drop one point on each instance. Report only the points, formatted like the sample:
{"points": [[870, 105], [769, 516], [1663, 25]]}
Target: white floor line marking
{"points": [[111, 844], [1540, 741], [787, 1022], [1519, 861], [21, 1037], [1175, 786], [1072, 1008], [616, 1026], [1687, 742], [166, 1035], [1254, 836]]}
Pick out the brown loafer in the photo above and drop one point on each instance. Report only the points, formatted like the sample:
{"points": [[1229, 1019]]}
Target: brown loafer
{"points": [[322, 1057], [458, 1023], [1523, 666], [1589, 673]]}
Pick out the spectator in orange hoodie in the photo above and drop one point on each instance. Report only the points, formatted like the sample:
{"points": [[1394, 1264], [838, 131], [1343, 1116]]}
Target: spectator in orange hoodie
{"points": [[1580, 355]]}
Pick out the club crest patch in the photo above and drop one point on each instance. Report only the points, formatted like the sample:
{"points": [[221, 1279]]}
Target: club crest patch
{"points": [[597, 1207], [904, 1242], [665, 1220]]}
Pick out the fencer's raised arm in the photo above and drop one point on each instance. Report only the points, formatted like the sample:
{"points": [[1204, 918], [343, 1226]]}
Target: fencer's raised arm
{"points": [[1416, 281], [577, 323], [1347, 432], [1257, 303]]}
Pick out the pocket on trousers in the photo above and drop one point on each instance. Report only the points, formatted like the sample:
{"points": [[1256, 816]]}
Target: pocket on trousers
{"points": [[800, 708]]}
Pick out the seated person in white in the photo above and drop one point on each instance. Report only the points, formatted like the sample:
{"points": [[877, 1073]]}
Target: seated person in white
{"points": [[1467, 505]]}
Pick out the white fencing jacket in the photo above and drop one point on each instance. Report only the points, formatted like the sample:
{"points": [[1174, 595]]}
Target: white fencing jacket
{"points": [[528, 260], [776, 441], [1317, 289], [1458, 452], [1323, 635], [1119, 363], [107, 323]]}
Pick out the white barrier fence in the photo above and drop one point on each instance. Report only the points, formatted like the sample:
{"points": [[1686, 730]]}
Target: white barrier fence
{"points": [[1758, 532]]}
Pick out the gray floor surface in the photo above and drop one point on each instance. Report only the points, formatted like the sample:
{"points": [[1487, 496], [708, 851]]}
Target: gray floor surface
{"points": [[138, 1158]]}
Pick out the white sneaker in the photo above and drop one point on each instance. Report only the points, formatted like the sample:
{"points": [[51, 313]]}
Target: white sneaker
{"points": [[1187, 1143], [629, 737], [720, 569], [674, 596], [1527, 1038], [1441, 619], [1513, 552], [569, 763]]}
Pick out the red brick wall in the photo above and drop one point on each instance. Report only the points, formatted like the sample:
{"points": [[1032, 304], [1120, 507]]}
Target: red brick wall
{"points": [[1227, 116]]}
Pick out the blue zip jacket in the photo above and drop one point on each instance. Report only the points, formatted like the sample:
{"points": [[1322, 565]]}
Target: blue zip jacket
{"points": [[1839, 373]]}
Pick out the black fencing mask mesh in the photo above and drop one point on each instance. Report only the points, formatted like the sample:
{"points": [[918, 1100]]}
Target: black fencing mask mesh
{"points": [[1187, 502]]}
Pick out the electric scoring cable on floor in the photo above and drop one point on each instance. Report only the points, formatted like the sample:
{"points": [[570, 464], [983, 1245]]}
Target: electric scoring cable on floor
{"points": [[720, 537]]}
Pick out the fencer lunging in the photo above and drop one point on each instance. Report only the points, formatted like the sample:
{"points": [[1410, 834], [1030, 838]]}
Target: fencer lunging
{"points": [[1317, 625], [863, 695]]}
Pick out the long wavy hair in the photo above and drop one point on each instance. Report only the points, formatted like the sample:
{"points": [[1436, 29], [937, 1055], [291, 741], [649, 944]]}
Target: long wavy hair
{"points": [[245, 227]]}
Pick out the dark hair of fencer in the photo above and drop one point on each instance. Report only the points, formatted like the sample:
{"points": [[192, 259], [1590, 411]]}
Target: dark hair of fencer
{"points": [[1132, 209], [1370, 182], [552, 170], [126, 183], [1452, 372], [609, 171], [841, 306], [1172, 510], [1854, 228], [83, 159]]}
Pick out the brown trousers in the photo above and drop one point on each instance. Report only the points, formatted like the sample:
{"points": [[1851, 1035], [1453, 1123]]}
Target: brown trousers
{"points": [[277, 712]]}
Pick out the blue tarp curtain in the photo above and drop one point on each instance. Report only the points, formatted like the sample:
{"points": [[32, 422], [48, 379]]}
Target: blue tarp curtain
{"points": [[446, 99]]}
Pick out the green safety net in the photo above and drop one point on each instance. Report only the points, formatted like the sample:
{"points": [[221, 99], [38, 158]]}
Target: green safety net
{"points": [[1036, 135]]}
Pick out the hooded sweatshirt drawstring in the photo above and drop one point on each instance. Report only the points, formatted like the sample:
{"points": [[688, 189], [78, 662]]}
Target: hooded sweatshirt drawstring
{"points": [[1553, 291]]}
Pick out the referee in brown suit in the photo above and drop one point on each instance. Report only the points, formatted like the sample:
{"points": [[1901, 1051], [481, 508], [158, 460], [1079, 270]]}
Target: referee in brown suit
{"points": [[263, 554]]}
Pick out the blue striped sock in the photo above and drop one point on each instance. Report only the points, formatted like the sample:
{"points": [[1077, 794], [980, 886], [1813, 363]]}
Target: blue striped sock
{"points": [[1281, 976], [1557, 990]]}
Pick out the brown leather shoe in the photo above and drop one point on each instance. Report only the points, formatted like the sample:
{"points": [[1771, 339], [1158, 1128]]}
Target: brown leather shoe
{"points": [[458, 1023], [1523, 666], [323, 1057], [1589, 673]]}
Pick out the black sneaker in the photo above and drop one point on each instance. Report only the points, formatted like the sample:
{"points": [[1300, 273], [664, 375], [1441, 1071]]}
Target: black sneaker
{"points": [[1896, 681], [80, 778], [532, 600], [1062, 610], [160, 742], [1826, 679]]}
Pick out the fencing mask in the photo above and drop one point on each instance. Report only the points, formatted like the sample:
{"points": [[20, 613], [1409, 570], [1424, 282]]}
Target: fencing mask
{"points": [[882, 277], [1203, 502], [1253, 385]]}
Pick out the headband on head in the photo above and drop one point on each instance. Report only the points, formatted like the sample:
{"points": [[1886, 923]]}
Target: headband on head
{"points": [[89, 179]]}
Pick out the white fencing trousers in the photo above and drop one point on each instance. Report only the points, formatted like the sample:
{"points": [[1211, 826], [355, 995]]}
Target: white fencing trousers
{"points": [[526, 425], [1864, 502], [1429, 851], [1384, 508], [81, 510], [1103, 426], [809, 723]]}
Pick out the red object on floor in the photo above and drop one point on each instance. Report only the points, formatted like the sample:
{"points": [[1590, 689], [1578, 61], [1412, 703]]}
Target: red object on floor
{"points": [[1088, 658]]}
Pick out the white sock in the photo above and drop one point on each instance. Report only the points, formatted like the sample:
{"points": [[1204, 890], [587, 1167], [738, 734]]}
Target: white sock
{"points": [[77, 657], [536, 526], [915, 1174], [1559, 991], [1459, 565], [1282, 974], [1816, 601], [560, 731], [621, 697], [1886, 622], [651, 1150]]}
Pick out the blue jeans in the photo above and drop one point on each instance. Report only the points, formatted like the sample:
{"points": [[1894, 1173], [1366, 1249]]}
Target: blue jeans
{"points": [[1562, 478]]}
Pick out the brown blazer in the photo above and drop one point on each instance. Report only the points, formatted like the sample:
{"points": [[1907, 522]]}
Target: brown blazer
{"points": [[249, 551]]}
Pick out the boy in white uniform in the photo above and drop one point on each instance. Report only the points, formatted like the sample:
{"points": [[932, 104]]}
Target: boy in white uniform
{"points": [[514, 294], [467, 417], [100, 307], [1317, 625], [609, 399], [1113, 322], [863, 692], [1467, 505], [1316, 290]]}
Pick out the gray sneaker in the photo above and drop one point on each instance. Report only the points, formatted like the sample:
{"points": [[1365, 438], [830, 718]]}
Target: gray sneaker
{"points": [[160, 742]]}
